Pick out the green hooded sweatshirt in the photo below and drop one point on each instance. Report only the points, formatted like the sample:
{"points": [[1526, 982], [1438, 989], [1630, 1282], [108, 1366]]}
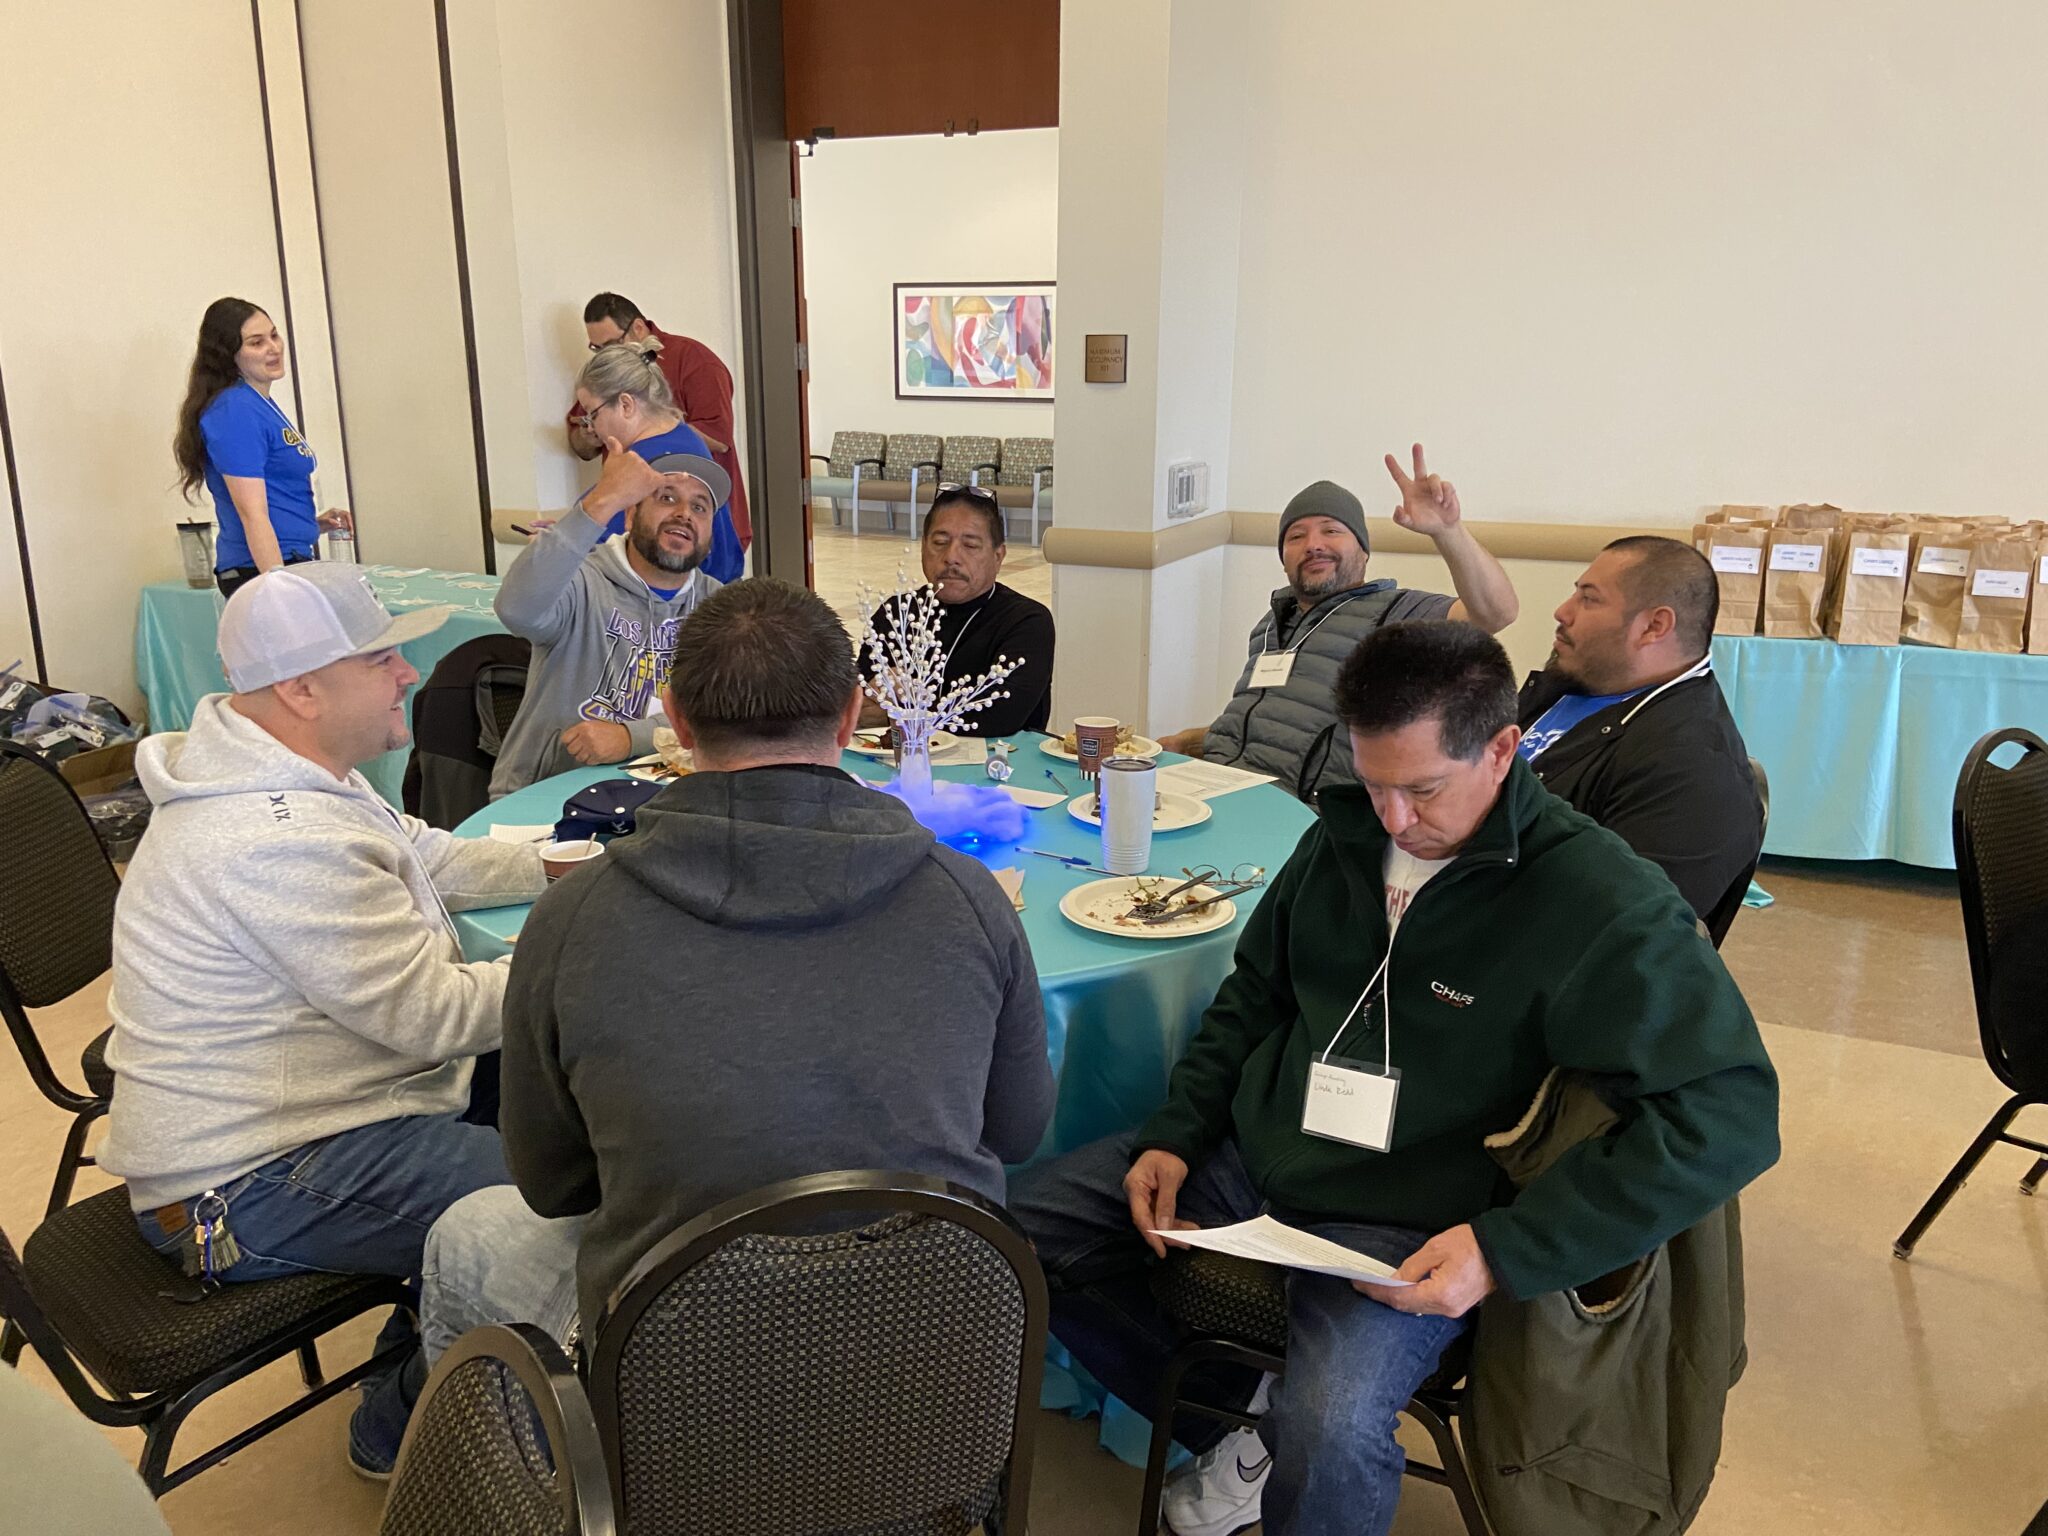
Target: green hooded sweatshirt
{"points": [[1546, 943]]}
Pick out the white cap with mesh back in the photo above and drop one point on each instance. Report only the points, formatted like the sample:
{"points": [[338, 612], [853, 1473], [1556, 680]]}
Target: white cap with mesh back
{"points": [[300, 618]]}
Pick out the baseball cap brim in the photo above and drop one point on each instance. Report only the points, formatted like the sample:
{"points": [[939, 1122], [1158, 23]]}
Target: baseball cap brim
{"points": [[707, 470], [406, 628]]}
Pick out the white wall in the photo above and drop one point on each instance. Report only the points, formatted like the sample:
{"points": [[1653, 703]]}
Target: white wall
{"points": [[135, 190], [1616, 261], [926, 208]]}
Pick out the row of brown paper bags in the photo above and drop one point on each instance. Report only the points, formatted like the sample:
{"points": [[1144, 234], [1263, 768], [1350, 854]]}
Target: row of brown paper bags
{"points": [[1967, 583]]}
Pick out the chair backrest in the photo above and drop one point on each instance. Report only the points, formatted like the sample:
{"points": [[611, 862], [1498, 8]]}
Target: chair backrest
{"points": [[757, 1373], [906, 449], [964, 455], [502, 1441], [1022, 456], [850, 448], [1722, 918], [2001, 843]]}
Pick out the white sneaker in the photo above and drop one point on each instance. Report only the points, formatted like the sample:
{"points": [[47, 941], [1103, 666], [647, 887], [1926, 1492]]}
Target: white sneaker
{"points": [[1218, 1493]]}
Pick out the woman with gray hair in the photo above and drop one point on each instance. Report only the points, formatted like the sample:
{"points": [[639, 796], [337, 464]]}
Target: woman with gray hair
{"points": [[623, 399]]}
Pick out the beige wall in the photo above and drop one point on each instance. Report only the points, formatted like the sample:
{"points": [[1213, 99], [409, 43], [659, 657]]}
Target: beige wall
{"points": [[135, 191]]}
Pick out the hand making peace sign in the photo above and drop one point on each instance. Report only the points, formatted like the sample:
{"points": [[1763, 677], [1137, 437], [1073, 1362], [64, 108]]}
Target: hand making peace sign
{"points": [[1429, 503]]}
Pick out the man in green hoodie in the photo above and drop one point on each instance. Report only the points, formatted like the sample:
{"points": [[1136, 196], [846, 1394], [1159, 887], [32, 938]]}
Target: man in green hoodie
{"points": [[1443, 936]]}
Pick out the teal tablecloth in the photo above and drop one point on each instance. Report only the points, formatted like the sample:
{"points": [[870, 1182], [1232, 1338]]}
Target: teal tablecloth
{"points": [[1863, 743], [176, 663]]}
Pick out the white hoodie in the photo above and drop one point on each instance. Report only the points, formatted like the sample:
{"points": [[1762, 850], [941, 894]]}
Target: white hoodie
{"points": [[284, 965]]}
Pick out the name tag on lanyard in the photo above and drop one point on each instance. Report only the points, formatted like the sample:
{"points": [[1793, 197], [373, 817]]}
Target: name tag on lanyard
{"points": [[1272, 669], [1352, 1102]]}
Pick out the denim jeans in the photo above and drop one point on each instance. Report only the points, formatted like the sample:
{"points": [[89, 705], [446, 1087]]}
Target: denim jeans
{"points": [[358, 1203], [490, 1259], [1352, 1364]]}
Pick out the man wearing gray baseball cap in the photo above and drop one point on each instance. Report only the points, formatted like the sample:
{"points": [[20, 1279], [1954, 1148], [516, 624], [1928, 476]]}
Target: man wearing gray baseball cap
{"points": [[603, 614], [294, 1024], [1282, 716]]}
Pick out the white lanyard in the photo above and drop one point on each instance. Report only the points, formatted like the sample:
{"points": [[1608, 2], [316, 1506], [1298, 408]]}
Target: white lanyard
{"points": [[277, 410], [1384, 973], [1699, 668]]}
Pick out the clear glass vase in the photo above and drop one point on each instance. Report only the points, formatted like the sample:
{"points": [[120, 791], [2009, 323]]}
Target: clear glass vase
{"points": [[914, 768]]}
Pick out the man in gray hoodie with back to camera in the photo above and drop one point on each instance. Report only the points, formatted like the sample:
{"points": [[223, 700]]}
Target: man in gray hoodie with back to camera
{"points": [[294, 1024], [778, 973], [603, 616]]}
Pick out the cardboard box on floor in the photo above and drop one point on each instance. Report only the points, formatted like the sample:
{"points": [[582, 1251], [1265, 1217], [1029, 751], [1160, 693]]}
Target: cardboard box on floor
{"points": [[100, 771]]}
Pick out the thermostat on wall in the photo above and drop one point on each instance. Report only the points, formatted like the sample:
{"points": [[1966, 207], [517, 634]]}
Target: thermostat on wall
{"points": [[1187, 488]]}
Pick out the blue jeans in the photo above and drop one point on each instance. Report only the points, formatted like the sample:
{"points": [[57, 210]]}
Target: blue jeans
{"points": [[358, 1203], [490, 1259], [1352, 1364]]}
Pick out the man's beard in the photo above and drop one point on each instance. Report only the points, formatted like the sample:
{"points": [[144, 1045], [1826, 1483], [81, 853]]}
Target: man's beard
{"points": [[648, 547]]}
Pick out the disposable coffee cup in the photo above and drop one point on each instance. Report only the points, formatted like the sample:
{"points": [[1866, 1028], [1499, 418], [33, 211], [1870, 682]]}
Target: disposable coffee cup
{"points": [[1094, 740], [559, 858], [1127, 790]]}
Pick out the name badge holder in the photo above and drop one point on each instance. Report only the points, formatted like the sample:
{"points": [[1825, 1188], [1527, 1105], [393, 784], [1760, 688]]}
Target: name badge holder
{"points": [[1353, 1101], [1272, 669]]}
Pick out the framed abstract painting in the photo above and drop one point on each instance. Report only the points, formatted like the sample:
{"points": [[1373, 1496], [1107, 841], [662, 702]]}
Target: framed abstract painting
{"points": [[973, 341]]}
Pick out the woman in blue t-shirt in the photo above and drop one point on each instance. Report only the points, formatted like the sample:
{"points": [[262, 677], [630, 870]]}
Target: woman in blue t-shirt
{"points": [[238, 442], [621, 395]]}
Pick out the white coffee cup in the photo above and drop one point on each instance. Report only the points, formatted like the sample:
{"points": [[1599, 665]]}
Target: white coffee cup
{"points": [[559, 858]]}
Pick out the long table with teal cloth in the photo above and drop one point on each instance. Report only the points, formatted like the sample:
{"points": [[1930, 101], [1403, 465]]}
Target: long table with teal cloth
{"points": [[1862, 743], [1118, 1012], [177, 663]]}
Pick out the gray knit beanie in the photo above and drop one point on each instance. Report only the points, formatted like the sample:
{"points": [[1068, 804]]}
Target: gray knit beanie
{"points": [[1327, 499]]}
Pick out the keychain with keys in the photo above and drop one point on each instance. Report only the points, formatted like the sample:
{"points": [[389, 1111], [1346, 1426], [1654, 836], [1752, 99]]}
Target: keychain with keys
{"points": [[214, 1248]]}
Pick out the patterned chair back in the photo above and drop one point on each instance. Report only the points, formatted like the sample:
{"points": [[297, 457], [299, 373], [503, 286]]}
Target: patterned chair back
{"points": [[873, 1379], [906, 449], [849, 448], [963, 454], [1022, 456]]}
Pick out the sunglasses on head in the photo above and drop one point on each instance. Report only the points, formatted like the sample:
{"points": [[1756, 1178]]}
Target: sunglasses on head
{"points": [[982, 492]]}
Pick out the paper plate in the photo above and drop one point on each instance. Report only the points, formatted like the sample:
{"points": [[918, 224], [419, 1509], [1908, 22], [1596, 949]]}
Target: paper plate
{"points": [[1171, 814], [1100, 903], [1137, 746], [942, 741], [653, 769]]}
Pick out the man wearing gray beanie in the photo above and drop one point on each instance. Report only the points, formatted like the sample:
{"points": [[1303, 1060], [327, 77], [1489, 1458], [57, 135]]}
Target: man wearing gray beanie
{"points": [[1282, 717]]}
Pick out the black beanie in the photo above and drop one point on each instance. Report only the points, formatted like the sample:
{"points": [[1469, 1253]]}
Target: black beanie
{"points": [[1327, 499]]}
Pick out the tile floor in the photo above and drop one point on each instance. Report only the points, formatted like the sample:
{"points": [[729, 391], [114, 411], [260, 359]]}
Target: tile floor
{"points": [[1880, 1396]]}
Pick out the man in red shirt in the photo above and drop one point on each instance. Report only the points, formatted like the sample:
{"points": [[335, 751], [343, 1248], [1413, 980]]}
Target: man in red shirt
{"points": [[701, 384]]}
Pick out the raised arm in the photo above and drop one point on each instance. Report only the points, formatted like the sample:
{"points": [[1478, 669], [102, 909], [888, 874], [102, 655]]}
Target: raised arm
{"points": [[1429, 506]]}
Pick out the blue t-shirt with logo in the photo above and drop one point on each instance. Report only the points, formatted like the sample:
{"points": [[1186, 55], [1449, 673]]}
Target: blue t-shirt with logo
{"points": [[248, 435], [1562, 716], [726, 559]]}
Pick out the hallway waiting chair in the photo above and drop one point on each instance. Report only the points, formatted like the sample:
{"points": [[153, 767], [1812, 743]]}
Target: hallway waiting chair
{"points": [[882, 1377], [1236, 1310], [137, 1345], [502, 1441], [2001, 837]]}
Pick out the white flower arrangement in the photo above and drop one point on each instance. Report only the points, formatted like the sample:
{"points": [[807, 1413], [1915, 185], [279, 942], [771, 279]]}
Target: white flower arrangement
{"points": [[909, 681]]}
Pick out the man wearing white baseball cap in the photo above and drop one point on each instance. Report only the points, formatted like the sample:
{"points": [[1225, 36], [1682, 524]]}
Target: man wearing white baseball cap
{"points": [[603, 617], [294, 1024]]}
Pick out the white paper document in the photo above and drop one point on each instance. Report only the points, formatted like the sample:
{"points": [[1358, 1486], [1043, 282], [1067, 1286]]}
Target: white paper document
{"points": [[507, 832], [1205, 781], [1037, 799], [968, 751], [1274, 1242]]}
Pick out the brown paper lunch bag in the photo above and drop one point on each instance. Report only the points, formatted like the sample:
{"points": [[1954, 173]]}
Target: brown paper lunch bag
{"points": [[1873, 586], [1935, 577], [1736, 551], [1795, 582], [1731, 513], [2002, 575], [2037, 613]]}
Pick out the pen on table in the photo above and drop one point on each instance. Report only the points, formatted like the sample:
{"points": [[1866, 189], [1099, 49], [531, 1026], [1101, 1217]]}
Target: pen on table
{"points": [[1071, 860], [1059, 781]]}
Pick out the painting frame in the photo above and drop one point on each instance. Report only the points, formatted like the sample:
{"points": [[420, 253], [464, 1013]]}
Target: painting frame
{"points": [[1013, 361]]}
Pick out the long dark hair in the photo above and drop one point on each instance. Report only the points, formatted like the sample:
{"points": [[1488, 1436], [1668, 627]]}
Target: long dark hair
{"points": [[213, 370]]}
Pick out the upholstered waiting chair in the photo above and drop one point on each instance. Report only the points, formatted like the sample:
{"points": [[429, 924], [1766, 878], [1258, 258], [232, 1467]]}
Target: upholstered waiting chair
{"points": [[1237, 1312], [92, 1296], [911, 466], [502, 1442], [963, 461], [1027, 463], [2001, 833], [749, 1377], [855, 456]]}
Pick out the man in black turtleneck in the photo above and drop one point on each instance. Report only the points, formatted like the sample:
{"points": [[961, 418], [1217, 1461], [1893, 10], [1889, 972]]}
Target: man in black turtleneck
{"points": [[963, 551]]}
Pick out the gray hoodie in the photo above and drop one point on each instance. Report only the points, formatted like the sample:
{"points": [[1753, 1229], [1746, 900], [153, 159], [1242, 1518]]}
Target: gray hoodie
{"points": [[778, 973], [284, 964], [602, 644]]}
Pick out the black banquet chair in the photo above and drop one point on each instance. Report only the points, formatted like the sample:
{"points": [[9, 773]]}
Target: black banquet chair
{"points": [[1235, 1311], [759, 1372], [137, 1345], [503, 1442], [2001, 833]]}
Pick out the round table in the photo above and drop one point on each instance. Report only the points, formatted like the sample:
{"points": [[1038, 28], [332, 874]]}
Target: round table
{"points": [[1118, 1012]]}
